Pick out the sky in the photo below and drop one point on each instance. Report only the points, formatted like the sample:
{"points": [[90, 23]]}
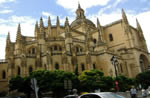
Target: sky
{"points": [[27, 12]]}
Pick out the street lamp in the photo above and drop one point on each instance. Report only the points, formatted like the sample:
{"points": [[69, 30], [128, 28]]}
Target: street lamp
{"points": [[115, 63]]}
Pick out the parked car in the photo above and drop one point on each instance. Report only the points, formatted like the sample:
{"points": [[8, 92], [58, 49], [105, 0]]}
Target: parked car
{"points": [[101, 95], [71, 96]]}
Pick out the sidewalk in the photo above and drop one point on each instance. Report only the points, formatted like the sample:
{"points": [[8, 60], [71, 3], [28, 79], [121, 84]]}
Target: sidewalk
{"points": [[127, 94]]}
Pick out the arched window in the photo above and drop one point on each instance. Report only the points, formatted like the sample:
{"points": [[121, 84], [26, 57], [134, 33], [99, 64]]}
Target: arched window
{"points": [[110, 37], [3, 75], [33, 50], [82, 67], [94, 66], [60, 49], [55, 48], [94, 41], [45, 66], [30, 69], [18, 71], [77, 49], [56, 66], [29, 52], [81, 50], [121, 68], [144, 63]]}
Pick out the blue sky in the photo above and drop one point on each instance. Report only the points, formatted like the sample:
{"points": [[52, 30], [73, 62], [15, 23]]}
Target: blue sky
{"points": [[27, 12]]}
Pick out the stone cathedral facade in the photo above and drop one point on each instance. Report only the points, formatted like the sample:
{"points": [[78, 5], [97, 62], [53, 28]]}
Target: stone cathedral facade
{"points": [[80, 44]]}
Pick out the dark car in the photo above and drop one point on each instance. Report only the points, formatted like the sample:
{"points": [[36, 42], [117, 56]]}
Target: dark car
{"points": [[101, 95]]}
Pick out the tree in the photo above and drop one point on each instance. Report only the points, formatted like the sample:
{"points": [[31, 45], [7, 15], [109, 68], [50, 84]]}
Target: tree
{"points": [[21, 85], [124, 82], [53, 80], [91, 80], [143, 79]]}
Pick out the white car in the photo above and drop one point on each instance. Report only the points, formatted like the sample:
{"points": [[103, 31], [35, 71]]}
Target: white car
{"points": [[101, 95]]}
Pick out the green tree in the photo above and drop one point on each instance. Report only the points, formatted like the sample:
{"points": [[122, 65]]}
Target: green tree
{"points": [[21, 85], [54, 80], [125, 83], [144, 79], [91, 80]]}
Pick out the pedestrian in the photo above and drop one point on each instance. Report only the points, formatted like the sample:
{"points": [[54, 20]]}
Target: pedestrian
{"points": [[144, 93], [133, 92]]}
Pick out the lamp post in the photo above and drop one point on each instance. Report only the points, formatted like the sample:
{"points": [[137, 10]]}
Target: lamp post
{"points": [[115, 63]]}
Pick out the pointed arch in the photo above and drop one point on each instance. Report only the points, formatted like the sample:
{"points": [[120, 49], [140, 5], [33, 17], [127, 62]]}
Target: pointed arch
{"points": [[3, 74], [144, 63], [18, 70], [56, 65], [30, 69]]}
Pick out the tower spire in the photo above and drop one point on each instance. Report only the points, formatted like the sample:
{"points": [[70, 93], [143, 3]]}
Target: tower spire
{"points": [[58, 23], [67, 28], [19, 33], [49, 26], [124, 17], [80, 12], [36, 30], [8, 38], [99, 32], [58, 26], [66, 22], [139, 28], [79, 7], [41, 25]]}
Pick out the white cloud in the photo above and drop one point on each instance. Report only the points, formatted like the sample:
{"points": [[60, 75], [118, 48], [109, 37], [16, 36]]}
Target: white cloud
{"points": [[5, 1], [10, 25], [72, 4], [6, 11], [47, 14]]}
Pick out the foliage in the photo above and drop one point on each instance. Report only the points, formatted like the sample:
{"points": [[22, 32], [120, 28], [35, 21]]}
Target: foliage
{"points": [[144, 79], [53, 80], [20, 84], [91, 80], [125, 83], [108, 83]]}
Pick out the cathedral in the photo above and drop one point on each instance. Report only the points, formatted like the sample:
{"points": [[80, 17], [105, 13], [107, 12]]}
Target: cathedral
{"points": [[116, 48]]}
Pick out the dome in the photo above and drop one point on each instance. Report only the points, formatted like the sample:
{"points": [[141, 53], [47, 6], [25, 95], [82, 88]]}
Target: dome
{"points": [[81, 18], [80, 21]]}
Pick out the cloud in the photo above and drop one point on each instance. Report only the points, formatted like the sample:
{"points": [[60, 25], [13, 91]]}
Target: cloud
{"points": [[72, 4], [6, 1], [47, 14], [10, 25], [6, 11]]}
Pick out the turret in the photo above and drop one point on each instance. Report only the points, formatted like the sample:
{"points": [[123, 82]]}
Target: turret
{"points": [[19, 36], [36, 32], [42, 32], [128, 33], [140, 31], [124, 17], [80, 12], [58, 26], [19, 42], [49, 27], [100, 31], [8, 46]]}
